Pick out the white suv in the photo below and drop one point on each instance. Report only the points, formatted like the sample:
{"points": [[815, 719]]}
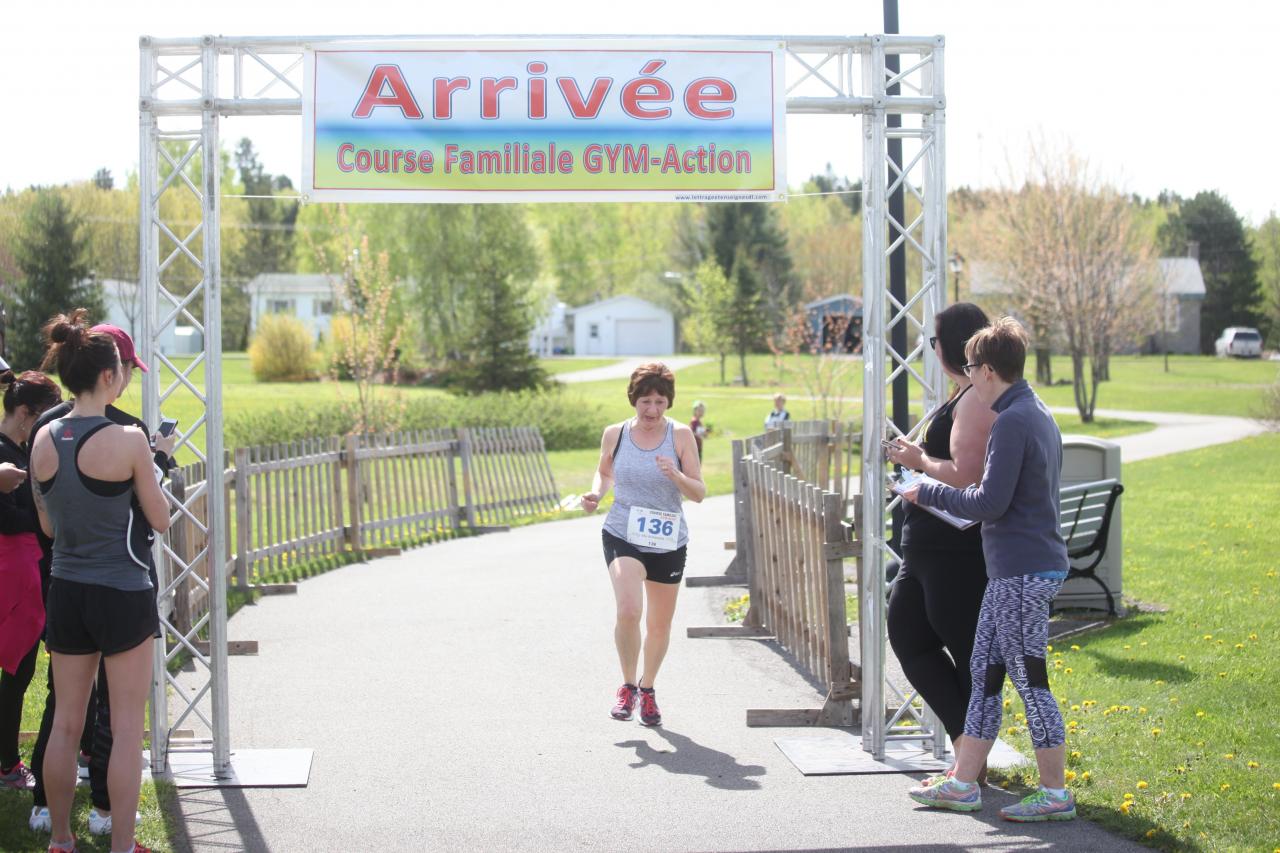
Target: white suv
{"points": [[1240, 341]]}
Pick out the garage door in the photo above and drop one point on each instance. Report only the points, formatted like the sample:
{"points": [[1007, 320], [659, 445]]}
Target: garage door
{"points": [[638, 337]]}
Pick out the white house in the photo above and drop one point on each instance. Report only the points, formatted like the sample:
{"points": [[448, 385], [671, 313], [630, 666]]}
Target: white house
{"points": [[307, 297], [623, 325], [551, 336], [123, 303]]}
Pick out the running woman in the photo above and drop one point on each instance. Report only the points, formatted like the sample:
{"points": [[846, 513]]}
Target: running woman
{"points": [[652, 464], [1017, 503]]}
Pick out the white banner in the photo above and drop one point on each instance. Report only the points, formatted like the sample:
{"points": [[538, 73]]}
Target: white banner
{"points": [[564, 120]]}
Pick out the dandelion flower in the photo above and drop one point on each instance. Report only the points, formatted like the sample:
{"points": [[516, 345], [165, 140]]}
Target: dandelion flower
{"points": [[1125, 807], [1075, 707], [1239, 646], [1151, 833], [1208, 636], [1067, 671], [1075, 648], [1276, 785], [1159, 681], [1155, 733], [1225, 786], [1127, 647], [1084, 777], [1222, 675], [1252, 765], [1186, 795], [1199, 713], [1142, 785], [1142, 710], [1230, 756], [1075, 754], [1128, 795], [1071, 776], [1253, 636], [1049, 648]]}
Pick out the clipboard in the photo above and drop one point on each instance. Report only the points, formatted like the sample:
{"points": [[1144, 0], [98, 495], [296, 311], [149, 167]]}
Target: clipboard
{"points": [[907, 479]]}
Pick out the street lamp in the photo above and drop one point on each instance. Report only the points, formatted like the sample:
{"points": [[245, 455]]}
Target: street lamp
{"points": [[955, 263]]}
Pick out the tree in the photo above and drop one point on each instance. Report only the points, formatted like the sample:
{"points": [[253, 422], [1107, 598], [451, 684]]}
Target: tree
{"points": [[102, 179], [1232, 296], [366, 325], [268, 240], [1266, 254], [50, 254], [709, 326], [748, 234], [1071, 250]]}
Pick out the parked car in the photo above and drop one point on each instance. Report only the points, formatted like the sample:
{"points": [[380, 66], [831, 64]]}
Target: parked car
{"points": [[1239, 341]]}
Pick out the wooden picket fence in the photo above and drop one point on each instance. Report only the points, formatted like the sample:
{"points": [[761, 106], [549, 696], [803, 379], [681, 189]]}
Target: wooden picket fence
{"points": [[298, 502], [791, 543], [796, 584]]}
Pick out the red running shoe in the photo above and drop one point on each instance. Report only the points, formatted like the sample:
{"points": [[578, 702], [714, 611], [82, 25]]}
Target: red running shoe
{"points": [[649, 713], [626, 702], [18, 776]]}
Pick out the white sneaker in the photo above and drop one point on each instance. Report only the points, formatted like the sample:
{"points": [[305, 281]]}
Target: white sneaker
{"points": [[40, 820], [101, 825]]}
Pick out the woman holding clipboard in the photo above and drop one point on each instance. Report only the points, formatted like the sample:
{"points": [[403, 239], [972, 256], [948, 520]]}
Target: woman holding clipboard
{"points": [[652, 464], [933, 608]]}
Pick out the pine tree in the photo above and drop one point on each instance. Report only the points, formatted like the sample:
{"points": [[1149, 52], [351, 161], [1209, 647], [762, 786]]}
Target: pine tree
{"points": [[55, 275], [747, 232], [1232, 294]]}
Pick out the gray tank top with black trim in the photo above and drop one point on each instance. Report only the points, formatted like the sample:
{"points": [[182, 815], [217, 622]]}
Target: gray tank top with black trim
{"points": [[638, 482], [91, 542]]}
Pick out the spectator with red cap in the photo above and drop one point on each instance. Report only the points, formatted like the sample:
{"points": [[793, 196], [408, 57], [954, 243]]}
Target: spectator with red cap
{"points": [[97, 740]]}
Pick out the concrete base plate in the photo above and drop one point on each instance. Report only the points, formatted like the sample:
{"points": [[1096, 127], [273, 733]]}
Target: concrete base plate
{"points": [[842, 755], [250, 768]]}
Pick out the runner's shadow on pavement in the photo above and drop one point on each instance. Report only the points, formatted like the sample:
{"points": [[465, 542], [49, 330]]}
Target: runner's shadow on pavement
{"points": [[689, 758]]}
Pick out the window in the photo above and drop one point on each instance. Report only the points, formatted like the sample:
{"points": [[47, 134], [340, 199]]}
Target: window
{"points": [[322, 307], [280, 306], [594, 330]]}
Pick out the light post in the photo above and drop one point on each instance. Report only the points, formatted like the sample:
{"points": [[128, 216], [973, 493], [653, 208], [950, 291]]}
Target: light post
{"points": [[955, 263]]}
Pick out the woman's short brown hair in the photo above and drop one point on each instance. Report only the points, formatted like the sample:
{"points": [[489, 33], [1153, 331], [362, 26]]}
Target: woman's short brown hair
{"points": [[1002, 346], [653, 378]]}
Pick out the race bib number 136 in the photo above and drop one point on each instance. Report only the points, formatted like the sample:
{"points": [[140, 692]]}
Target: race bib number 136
{"points": [[653, 528]]}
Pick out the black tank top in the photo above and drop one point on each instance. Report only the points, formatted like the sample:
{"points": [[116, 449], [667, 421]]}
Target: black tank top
{"points": [[921, 529]]}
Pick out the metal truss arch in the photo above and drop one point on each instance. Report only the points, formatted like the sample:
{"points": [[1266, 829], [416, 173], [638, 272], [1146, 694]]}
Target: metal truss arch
{"points": [[188, 84]]}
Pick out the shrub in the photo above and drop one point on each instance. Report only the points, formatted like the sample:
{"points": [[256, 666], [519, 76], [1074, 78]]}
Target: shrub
{"points": [[281, 350], [566, 422]]}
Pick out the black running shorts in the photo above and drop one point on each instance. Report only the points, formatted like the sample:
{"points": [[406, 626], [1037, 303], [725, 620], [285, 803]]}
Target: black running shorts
{"points": [[86, 618], [662, 567]]}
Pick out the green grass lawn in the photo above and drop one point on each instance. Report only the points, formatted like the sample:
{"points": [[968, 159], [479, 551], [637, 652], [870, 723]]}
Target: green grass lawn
{"points": [[1195, 383], [1172, 712]]}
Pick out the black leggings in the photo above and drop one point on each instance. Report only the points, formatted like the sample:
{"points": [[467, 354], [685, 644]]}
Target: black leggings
{"points": [[13, 688], [933, 616]]}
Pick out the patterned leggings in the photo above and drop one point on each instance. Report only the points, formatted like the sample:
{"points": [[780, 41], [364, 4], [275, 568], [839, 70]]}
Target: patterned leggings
{"points": [[1013, 631]]}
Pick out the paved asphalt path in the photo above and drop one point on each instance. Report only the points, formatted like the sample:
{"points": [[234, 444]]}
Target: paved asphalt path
{"points": [[622, 370], [456, 698]]}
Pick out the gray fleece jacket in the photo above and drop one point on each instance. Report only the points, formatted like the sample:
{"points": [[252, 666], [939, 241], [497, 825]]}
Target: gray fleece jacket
{"points": [[1017, 500]]}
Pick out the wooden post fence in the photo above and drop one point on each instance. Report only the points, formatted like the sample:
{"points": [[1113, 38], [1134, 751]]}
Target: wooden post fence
{"points": [[315, 499]]}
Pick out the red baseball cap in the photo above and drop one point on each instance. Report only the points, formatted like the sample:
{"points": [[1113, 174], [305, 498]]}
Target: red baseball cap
{"points": [[124, 343]]}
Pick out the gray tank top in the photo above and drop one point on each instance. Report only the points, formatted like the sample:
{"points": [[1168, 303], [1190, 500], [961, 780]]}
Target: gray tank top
{"points": [[91, 518], [638, 482]]}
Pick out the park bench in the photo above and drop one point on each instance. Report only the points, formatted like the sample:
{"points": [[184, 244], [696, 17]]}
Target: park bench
{"points": [[1085, 518]]}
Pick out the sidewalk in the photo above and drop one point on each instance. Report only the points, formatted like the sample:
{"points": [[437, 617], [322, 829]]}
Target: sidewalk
{"points": [[623, 369], [457, 696], [1174, 432]]}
